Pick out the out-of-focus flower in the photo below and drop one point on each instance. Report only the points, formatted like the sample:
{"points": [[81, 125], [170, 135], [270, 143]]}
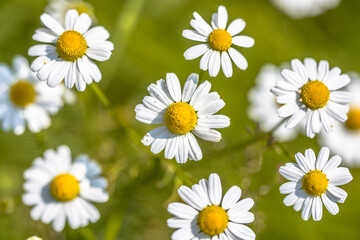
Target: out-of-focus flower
{"points": [[345, 138], [34, 238], [313, 182], [305, 8], [207, 215], [24, 100], [70, 50], [184, 114], [58, 8], [216, 43], [312, 92], [62, 191], [263, 106]]}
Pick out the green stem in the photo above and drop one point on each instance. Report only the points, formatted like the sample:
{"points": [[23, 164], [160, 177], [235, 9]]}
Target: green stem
{"points": [[124, 26], [131, 134]]}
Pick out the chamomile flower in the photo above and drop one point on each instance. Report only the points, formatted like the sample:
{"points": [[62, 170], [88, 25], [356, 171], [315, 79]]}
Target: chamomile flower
{"points": [[311, 92], [58, 8], [345, 138], [62, 191], [184, 114], [263, 106], [24, 100], [305, 8], [207, 215], [68, 50], [217, 42], [314, 182]]}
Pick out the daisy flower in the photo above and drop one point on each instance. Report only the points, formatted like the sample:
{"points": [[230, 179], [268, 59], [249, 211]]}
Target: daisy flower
{"points": [[345, 138], [314, 182], [69, 49], [184, 114], [312, 92], [58, 8], [206, 215], [263, 105], [305, 8], [61, 190], [216, 43], [24, 100]]}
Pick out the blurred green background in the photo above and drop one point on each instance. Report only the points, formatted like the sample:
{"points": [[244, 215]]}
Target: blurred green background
{"points": [[148, 44]]}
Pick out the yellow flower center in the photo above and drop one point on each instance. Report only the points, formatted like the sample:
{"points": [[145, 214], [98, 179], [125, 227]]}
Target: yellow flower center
{"points": [[22, 93], [353, 121], [213, 220], [220, 40], [315, 94], [180, 118], [315, 183], [82, 7], [71, 45], [64, 187]]}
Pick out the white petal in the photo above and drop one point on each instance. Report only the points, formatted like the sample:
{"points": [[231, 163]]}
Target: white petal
{"points": [[214, 64], [236, 26], [311, 67], [341, 97], [222, 17], [207, 134], [243, 41], [45, 35], [70, 19], [323, 69], [226, 64], [83, 23], [241, 231], [190, 87], [204, 62], [52, 24], [191, 198], [98, 54], [195, 150], [332, 164], [212, 108], [149, 138], [215, 189], [182, 210], [295, 119], [338, 193], [200, 92], [238, 59], [194, 35], [339, 176], [195, 51], [231, 197], [173, 85], [322, 158], [306, 212], [299, 68], [317, 209], [288, 110], [290, 199], [41, 49], [330, 205], [205, 27], [290, 187], [291, 172], [214, 121]]}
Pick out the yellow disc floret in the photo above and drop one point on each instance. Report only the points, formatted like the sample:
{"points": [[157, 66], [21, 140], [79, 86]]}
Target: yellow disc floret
{"points": [[213, 220], [64, 187], [315, 94], [220, 40], [71, 45], [22, 93], [353, 121], [180, 118], [315, 183]]}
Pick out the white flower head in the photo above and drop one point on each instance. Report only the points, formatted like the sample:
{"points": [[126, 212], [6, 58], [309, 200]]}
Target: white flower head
{"points": [[207, 215], [184, 114], [305, 8], [58, 8], [314, 182], [62, 191], [24, 100], [263, 106], [68, 50], [217, 41], [311, 91], [345, 137]]}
